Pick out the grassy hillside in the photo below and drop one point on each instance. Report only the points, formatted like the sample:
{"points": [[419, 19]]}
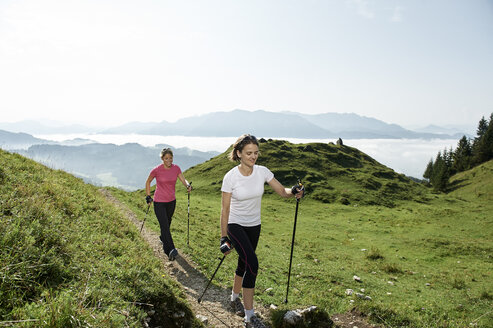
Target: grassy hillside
{"points": [[424, 259], [331, 173], [69, 259], [475, 184]]}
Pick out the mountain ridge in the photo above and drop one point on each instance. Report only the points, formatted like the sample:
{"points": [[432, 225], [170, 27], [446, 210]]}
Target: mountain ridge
{"points": [[283, 125], [260, 122]]}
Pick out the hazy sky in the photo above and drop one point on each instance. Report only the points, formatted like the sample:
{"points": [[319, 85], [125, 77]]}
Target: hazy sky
{"points": [[106, 62]]}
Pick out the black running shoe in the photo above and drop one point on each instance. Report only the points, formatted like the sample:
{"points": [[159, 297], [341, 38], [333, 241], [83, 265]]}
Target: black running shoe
{"points": [[237, 307], [173, 254], [255, 322]]}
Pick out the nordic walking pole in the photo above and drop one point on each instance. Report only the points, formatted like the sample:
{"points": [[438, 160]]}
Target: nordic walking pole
{"points": [[188, 221], [200, 298], [292, 242], [148, 207], [292, 247]]}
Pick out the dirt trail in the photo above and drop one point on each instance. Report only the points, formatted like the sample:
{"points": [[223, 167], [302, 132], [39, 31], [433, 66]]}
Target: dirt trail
{"points": [[214, 304]]}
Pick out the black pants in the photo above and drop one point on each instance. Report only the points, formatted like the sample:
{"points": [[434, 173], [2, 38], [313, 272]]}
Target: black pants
{"points": [[245, 240], [164, 213]]}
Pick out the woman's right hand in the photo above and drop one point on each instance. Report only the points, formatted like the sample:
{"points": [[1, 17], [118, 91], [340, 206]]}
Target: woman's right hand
{"points": [[149, 199], [298, 191], [225, 245]]}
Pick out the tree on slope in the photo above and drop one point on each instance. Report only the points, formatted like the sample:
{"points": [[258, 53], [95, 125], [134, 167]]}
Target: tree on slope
{"points": [[467, 155], [480, 146], [463, 155], [429, 170], [440, 175]]}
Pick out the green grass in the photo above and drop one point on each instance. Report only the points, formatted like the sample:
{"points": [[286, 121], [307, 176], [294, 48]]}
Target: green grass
{"points": [[425, 261], [423, 258], [70, 259], [475, 185]]}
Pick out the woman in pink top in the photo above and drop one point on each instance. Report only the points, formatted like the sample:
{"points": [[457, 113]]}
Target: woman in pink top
{"points": [[164, 197]]}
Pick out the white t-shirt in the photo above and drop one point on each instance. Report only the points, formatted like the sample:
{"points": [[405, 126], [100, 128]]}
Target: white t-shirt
{"points": [[246, 193]]}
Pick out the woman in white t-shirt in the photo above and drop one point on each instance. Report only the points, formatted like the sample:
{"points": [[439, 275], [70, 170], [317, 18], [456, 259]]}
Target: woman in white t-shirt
{"points": [[242, 190]]}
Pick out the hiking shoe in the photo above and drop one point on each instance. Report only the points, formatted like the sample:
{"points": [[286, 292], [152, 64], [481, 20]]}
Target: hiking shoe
{"points": [[237, 307], [255, 322], [173, 254]]}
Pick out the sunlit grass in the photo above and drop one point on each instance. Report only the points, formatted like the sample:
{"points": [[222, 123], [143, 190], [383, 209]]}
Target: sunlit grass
{"points": [[70, 259]]}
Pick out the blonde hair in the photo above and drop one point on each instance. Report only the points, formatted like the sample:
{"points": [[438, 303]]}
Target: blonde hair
{"points": [[240, 143]]}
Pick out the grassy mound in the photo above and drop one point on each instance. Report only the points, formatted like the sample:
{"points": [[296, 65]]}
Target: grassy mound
{"points": [[69, 258], [331, 173]]}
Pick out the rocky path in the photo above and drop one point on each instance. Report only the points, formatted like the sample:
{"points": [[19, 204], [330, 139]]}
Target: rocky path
{"points": [[214, 306]]}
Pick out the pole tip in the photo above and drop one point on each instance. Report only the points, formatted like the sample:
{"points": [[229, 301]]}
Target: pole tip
{"points": [[199, 300], [286, 301]]}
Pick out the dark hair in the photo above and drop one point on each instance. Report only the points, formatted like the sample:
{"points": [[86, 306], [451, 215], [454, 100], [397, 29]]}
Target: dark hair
{"points": [[240, 144], [166, 151]]}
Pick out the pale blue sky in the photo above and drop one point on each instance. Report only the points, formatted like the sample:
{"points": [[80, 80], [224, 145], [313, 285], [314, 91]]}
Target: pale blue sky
{"points": [[106, 62]]}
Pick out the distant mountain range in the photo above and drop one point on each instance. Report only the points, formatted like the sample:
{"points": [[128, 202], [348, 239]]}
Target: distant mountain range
{"points": [[126, 166], [279, 125], [260, 123], [46, 127], [19, 140], [446, 130]]}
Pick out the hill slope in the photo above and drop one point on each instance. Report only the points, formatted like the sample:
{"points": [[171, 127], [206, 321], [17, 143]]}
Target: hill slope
{"points": [[69, 258], [473, 184], [331, 173]]}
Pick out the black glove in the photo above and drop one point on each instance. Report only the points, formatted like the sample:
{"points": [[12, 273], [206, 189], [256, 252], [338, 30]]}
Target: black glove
{"points": [[225, 244], [297, 188], [149, 199]]}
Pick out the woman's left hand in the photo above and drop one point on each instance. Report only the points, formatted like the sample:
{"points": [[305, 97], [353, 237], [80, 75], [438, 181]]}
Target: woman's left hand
{"points": [[298, 191]]}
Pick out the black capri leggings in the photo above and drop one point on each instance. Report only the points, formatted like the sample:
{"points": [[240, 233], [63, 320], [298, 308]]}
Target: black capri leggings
{"points": [[245, 240], [164, 213]]}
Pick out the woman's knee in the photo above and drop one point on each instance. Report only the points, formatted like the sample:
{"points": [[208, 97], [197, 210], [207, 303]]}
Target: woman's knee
{"points": [[251, 271], [249, 279], [248, 270], [240, 267], [254, 265]]}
